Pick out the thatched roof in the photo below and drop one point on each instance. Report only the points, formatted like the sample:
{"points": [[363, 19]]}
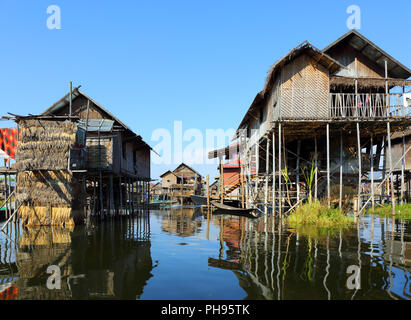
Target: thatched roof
{"points": [[304, 48], [368, 82], [372, 52]]}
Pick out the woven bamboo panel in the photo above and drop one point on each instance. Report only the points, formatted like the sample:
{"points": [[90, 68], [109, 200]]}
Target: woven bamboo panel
{"points": [[304, 90], [99, 156]]}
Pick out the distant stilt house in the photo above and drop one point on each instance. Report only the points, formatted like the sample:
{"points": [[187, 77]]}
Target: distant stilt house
{"points": [[331, 112], [181, 183], [77, 159]]}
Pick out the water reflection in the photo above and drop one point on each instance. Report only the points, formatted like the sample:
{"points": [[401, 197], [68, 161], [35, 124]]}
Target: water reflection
{"points": [[223, 257]]}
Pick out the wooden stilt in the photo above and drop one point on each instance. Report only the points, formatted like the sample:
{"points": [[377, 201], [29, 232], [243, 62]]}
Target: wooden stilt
{"points": [[221, 180], [298, 170], [341, 170], [359, 168], [280, 196], [267, 168], [372, 171], [111, 196], [274, 174], [403, 169], [208, 190], [316, 168], [384, 169], [120, 196], [328, 166], [257, 167], [391, 168]]}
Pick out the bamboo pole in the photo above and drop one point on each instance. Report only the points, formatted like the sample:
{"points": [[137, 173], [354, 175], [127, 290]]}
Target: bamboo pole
{"points": [[267, 168], [208, 190], [273, 191], [402, 169], [341, 170], [298, 169], [257, 166], [121, 196], [372, 171], [221, 180], [279, 171], [111, 195], [328, 165], [384, 168], [316, 168], [391, 167], [359, 168]]}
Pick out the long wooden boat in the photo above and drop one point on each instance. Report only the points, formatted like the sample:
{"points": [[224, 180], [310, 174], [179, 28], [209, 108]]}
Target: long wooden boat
{"points": [[223, 208], [202, 200]]}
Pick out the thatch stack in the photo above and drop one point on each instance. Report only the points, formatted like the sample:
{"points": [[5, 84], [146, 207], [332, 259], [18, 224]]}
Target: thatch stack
{"points": [[46, 188], [45, 145]]}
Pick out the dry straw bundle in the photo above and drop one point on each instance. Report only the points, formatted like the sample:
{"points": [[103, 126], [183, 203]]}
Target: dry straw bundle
{"points": [[44, 145]]}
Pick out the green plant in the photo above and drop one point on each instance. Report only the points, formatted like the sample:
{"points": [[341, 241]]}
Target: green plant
{"points": [[318, 214], [309, 179]]}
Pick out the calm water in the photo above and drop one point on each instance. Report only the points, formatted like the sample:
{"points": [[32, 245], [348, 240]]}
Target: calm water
{"points": [[184, 254]]}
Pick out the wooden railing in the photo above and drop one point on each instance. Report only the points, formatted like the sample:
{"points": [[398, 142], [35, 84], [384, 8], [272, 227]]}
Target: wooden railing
{"points": [[378, 105]]}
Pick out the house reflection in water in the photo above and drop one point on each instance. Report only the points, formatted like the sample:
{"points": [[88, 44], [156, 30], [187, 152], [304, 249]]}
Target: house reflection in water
{"points": [[182, 221], [273, 262], [111, 261]]}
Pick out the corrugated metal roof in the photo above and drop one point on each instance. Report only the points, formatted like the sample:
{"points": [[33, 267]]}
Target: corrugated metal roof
{"points": [[95, 125], [372, 52]]}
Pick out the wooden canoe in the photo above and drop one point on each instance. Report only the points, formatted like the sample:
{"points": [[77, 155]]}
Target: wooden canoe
{"points": [[233, 210]]}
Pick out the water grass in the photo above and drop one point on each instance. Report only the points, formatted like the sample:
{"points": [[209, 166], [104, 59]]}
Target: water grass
{"points": [[316, 213], [402, 211]]}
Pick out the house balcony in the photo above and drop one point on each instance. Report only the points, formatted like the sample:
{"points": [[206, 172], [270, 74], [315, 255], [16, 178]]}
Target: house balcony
{"points": [[369, 106]]}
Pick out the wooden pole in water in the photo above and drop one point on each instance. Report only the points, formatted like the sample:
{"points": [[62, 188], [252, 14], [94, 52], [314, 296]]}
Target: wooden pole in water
{"points": [[267, 168], [274, 173], [111, 195], [341, 170], [121, 196], [372, 171], [359, 167], [403, 169], [182, 189], [328, 166], [208, 190], [316, 168], [390, 161], [384, 168], [280, 196], [257, 166], [298, 169], [221, 180]]}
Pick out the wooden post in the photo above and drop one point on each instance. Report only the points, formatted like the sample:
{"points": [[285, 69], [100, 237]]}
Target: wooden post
{"points": [[280, 196], [328, 166], [120, 196], [111, 195], [100, 183], [384, 168], [208, 190], [341, 170], [221, 180], [372, 171], [316, 168], [403, 169], [359, 167], [257, 166], [391, 168], [182, 189], [298, 169], [70, 99], [274, 173], [267, 168]]}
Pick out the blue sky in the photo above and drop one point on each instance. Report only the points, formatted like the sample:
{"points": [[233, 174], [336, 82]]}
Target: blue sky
{"points": [[153, 62]]}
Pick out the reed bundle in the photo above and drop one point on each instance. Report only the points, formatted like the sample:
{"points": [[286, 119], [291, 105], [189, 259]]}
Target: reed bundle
{"points": [[46, 216], [45, 145]]}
